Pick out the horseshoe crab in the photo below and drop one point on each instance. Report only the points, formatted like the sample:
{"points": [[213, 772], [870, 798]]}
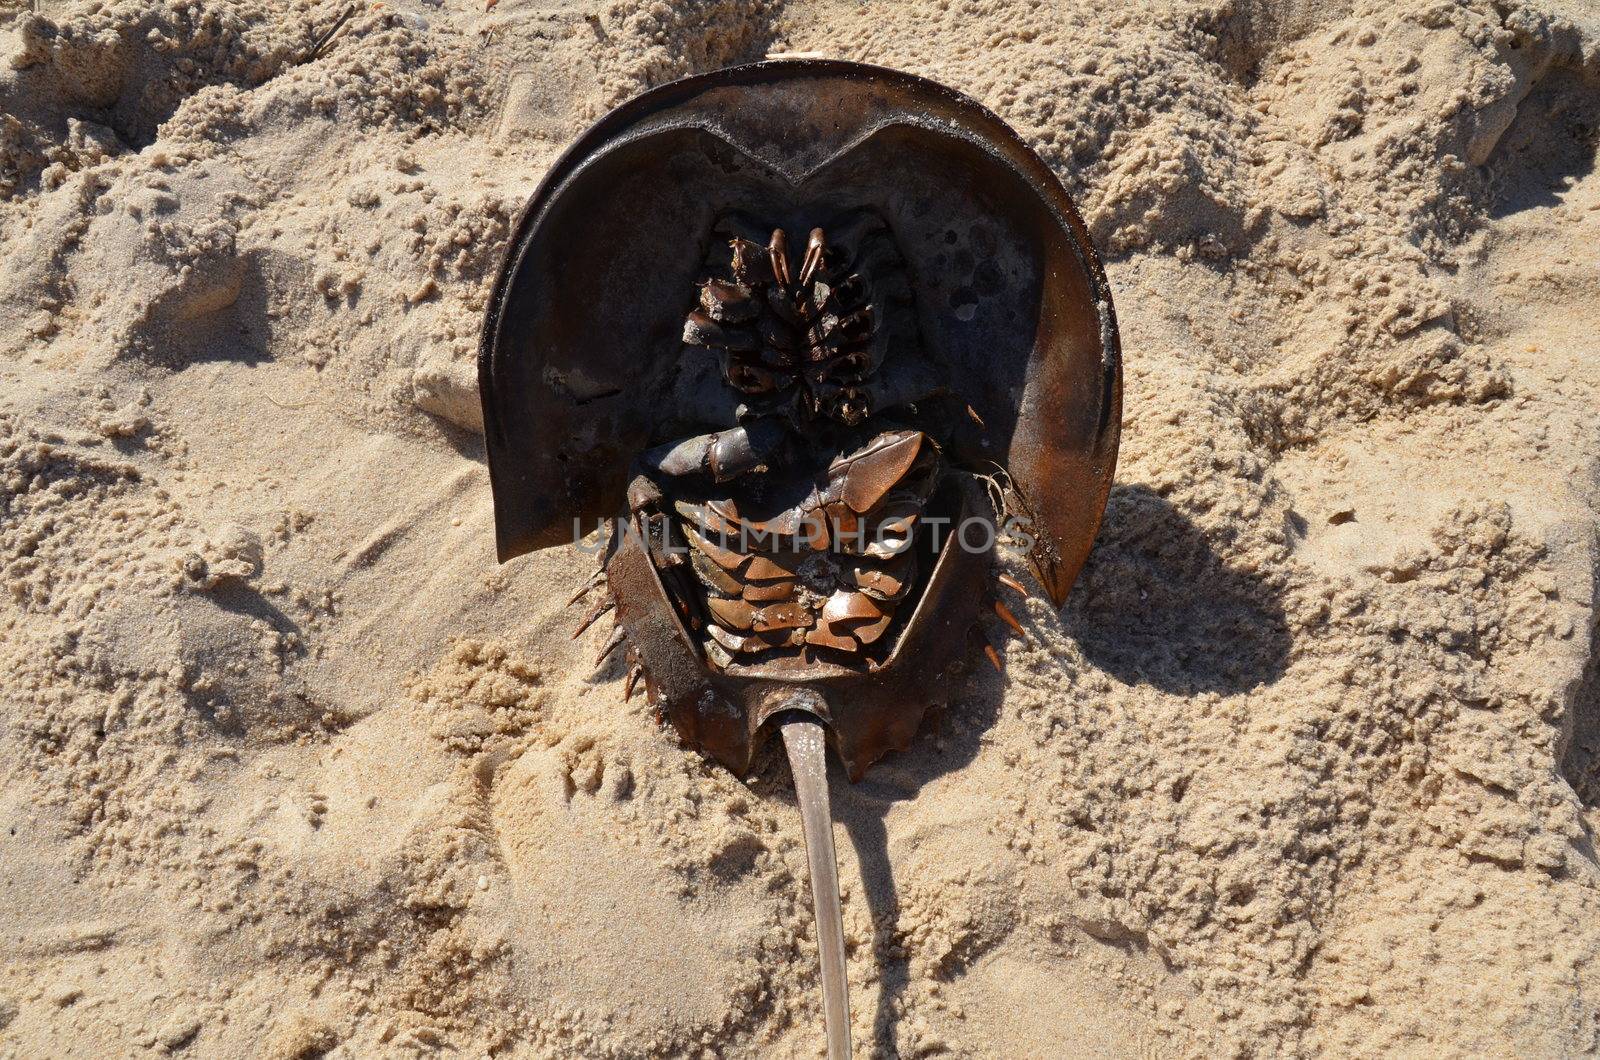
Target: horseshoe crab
{"points": [[805, 453]]}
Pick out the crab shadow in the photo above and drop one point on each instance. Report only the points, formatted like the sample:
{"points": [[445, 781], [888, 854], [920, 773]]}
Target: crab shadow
{"points": [[1580, 744], [1157, 605], [950, 740]]}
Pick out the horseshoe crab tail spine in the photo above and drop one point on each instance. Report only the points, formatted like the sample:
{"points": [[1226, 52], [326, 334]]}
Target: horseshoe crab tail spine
{"points": [[806, 745]]}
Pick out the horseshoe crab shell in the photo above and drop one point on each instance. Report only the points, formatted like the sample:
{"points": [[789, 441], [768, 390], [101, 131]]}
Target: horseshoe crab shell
{"points": [[581, 363]]}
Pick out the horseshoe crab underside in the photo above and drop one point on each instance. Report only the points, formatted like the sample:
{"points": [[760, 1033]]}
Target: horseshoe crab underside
{"points": [[805, 445]]}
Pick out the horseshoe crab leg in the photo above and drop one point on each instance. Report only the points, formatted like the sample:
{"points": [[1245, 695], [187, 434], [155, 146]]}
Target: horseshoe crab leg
{"points": [[804, 741]]}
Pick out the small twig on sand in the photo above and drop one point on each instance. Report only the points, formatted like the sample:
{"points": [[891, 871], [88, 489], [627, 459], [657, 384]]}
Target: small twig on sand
{"points": [[333, 31]]}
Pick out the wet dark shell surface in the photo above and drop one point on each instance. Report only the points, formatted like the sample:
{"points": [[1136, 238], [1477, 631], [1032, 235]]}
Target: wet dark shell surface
{"points": [[581, 364], [1011, 361]]}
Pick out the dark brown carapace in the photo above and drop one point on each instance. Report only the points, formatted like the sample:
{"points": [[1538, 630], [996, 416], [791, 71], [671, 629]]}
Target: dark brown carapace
{"points": [[806, 452], [794, 326]]}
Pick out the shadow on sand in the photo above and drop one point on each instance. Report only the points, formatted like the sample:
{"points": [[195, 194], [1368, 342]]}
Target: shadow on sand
{"points": [[1155, 605]]}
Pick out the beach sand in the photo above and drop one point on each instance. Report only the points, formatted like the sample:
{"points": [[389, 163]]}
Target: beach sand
{"points": [[1308, 764]]}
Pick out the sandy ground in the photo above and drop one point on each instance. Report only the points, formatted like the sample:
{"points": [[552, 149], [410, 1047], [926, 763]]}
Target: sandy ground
{"points": [[289, 767]]}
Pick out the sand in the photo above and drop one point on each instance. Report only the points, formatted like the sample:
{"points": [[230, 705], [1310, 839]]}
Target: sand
{"points": [[1309, 764]]}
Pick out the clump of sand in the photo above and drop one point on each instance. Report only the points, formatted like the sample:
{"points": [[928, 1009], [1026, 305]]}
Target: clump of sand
{"points": [[1309, 763]]}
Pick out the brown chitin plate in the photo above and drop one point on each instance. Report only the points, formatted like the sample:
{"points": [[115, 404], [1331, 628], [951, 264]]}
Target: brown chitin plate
{"points": [[582, 364], [868, 713]]}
